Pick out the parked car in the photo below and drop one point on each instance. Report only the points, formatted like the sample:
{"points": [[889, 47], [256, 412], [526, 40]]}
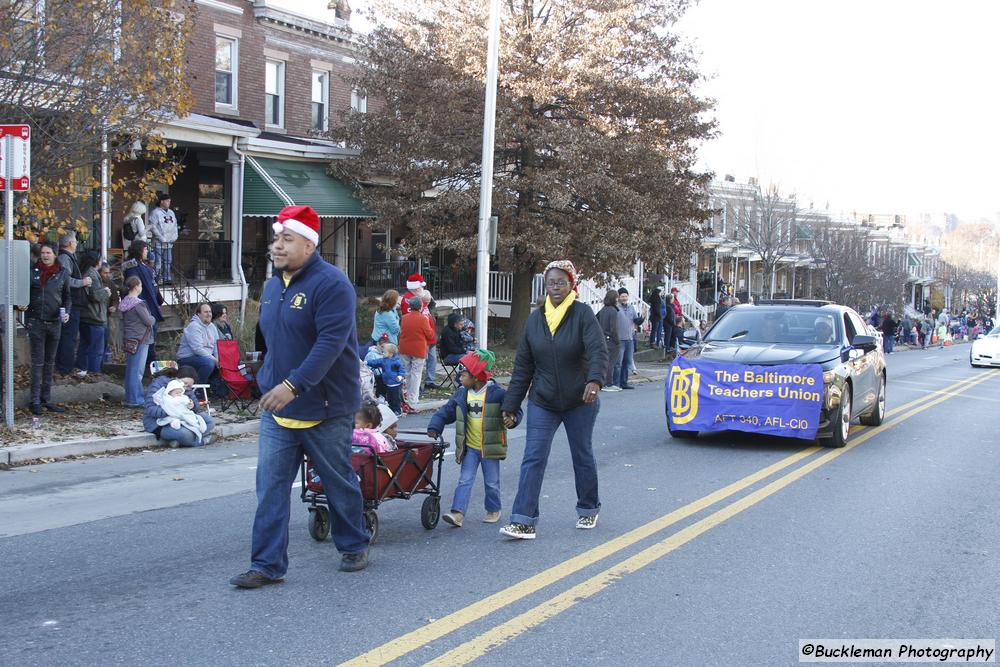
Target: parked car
{"points": [[986, 350], [775, 332]]}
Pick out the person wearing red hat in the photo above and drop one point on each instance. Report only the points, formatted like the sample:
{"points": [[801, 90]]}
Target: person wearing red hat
{"points": [[311, 384], [415, 285], [480, 434]]}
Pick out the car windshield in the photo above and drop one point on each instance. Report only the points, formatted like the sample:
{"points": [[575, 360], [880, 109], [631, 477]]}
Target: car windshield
{"points": [[762, 325]]}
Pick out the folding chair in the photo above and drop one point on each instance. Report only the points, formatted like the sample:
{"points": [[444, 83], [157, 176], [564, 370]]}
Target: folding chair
{"points": [[240, 384], [450, 371]]}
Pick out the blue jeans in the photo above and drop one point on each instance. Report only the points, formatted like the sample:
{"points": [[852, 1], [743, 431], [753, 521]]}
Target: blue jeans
{"points": [[135, 368], [887, 342], [471, 461], [185, 436], [541, 428], [90, 352], [204, 365], [66, 352], [626, 362], [164, 258], [656, 332], [279, 457], [431, 366]]}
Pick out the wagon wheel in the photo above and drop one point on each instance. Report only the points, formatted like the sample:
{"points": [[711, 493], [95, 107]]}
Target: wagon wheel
{"points": [[371, 522], [319, 523], [430, 512]]}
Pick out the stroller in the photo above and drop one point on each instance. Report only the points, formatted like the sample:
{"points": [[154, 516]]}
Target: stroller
{"points": [[403, 473]]}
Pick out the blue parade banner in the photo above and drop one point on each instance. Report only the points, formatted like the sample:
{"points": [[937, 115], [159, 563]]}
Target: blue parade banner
{"points": [[783, 400]]}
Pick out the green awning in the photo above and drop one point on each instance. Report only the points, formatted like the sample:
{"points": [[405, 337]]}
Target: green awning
{"points": [[269, 185]]}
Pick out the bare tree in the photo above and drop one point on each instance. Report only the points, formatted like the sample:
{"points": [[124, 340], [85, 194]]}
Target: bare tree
{"points": [[856, 269], [767, 227]]}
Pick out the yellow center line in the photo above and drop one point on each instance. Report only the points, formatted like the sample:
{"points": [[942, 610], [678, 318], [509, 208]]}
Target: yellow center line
{"points": [[415, 639], [475, 648]]}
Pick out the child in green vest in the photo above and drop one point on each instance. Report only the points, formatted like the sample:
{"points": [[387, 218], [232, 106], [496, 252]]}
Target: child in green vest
{"points": [[480, 434]]}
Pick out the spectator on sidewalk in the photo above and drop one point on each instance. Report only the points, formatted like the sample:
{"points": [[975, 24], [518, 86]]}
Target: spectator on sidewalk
{"points": [[163, 229], [198, 344], [135, 265], [50, 294], [415, 284], [137, 333], [452, 347], [427, 308], [114, 326], [415, 337], [888, 332], [220, 318], [562, 359], [133, 227], [608, 319], [386, 320], [657, 311], [627, 319], [78, 284], [93, 318], [310, 380], [153, 410]]}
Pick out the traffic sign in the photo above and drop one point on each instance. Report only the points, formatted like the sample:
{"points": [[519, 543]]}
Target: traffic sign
{"points": [[15, 145]]}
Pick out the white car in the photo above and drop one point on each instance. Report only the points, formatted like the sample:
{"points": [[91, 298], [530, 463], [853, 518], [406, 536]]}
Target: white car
{"points": [[986, 350]]}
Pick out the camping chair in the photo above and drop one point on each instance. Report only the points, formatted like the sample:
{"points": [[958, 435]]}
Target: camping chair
{"points": [[450, 371], [238, 380], [157, 368]]}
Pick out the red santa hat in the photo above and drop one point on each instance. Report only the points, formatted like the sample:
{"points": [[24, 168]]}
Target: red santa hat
{"points": [[302, 220], [415, 281]]}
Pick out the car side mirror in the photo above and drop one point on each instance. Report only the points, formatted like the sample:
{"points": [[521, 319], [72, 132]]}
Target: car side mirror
{"points": [[863, 342]]}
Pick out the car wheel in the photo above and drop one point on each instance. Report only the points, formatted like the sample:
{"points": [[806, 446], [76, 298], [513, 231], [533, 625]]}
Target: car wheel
{"points": [[841, 423], [877, 414]]}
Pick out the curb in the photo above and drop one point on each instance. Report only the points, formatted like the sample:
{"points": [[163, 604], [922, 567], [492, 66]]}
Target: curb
{"points": [[61, 450]]}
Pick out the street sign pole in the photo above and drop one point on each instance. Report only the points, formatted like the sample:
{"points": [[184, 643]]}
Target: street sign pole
{"points": [[8, 309], [486, 179]]}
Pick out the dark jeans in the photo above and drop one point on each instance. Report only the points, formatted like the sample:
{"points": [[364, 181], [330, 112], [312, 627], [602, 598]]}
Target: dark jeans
{"points": [[614, 361], [393, 395], [625, 367], [66, 355], [90, 352], [542, 425], [280, 453], [204, 365], [452, 359], [656, 333], [44, 338]]}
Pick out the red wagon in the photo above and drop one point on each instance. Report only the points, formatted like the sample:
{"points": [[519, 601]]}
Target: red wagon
{"points": [[403, 473]]}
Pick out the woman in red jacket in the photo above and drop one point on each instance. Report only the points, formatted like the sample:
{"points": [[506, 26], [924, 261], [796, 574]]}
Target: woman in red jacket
{"points": [[415, 336]]}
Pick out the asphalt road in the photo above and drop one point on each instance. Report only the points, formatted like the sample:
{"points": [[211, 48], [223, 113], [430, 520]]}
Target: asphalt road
{"points": [[722, 551]]}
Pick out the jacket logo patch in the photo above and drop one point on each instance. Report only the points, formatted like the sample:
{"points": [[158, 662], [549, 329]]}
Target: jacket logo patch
{"points": [[298, 301]]}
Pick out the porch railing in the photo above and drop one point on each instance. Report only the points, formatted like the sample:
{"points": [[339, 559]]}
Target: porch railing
{"points": [[204, 261]]}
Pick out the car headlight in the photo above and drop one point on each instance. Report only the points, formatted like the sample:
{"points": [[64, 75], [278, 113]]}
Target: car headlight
{"points": [[828, 377]]}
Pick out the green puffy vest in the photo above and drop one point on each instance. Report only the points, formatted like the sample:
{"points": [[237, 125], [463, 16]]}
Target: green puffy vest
{"points": [[494, 432]]}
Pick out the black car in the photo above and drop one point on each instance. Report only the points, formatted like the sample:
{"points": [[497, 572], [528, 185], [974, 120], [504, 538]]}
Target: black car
{"points": [[775, 332]]}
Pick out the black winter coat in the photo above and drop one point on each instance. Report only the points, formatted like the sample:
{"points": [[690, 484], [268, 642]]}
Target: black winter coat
{"points": [[557, 368], [451, 342], [45, 303]]}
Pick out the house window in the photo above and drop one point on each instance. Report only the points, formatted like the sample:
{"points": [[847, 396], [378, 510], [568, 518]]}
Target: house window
{"points": [[359, 102], [274, 93], [225, 71], [320, 95]]}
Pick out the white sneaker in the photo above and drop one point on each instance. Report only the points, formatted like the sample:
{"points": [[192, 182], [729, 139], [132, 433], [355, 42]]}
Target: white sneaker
{"points": [[586, 522], [611, 387], [80, 374]]}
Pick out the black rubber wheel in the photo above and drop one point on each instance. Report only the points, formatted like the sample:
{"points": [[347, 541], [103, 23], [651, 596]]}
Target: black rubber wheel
{"points": [[840, 422], [319, 523], [430, 512], [371, 522], [877, 414]]}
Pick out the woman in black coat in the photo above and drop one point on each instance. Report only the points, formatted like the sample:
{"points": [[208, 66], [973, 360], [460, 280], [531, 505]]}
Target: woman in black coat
{"points": [[563, 359]]}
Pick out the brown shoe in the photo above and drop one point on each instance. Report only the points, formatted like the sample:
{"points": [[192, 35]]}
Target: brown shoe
{"points": [[491, 517], [454, 518]]}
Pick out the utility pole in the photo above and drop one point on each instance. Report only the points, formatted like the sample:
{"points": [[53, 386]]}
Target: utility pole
{"points": [[486, 178]]}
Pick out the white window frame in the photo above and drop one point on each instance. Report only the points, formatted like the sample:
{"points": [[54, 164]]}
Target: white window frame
{"points": [[233, 105], [359, 102], [325, 101], [280, 124]]}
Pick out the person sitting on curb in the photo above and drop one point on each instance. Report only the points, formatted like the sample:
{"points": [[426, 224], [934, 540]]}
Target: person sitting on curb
{"points": [[153, 412], [480, 434]]}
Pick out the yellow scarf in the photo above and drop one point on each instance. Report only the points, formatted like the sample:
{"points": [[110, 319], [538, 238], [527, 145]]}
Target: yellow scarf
{"points": [[554, 314]]}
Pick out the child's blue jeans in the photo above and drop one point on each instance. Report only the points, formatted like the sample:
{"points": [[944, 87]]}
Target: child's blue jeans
{"points": [[471, 461]]}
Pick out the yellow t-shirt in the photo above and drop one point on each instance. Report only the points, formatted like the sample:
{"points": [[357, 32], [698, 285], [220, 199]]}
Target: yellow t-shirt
{"points": [[284, 421], [475, 401]]}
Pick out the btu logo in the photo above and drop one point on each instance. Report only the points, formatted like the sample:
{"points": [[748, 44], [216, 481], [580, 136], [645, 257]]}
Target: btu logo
{"points": [[298, 301], [684, 394]]}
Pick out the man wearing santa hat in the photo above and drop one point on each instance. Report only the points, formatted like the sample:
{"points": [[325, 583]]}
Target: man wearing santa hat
{"points": [[311, 384], [415, 285]]}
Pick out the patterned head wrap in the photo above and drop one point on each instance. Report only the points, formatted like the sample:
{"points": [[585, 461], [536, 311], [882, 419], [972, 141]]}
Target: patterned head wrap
{"points": [[478, 363], [563, 265]]}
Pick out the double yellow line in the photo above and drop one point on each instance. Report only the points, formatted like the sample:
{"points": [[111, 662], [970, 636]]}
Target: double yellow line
{"points": [[500, 634]]}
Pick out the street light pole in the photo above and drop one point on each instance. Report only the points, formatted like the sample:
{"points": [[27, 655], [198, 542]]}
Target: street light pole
{"points": [[486, 178]]}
